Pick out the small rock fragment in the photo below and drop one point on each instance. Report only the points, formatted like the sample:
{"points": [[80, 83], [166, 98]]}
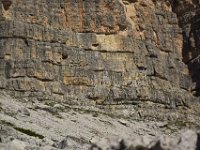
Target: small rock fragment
{"points": [[15, 145], [123, 122]]}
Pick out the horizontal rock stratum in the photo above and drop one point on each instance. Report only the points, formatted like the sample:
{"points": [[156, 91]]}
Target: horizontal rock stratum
{"points": [[100, 52]]}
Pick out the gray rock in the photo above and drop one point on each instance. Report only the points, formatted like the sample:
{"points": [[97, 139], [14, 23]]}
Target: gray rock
{"points": [[24, 111], [62, 144], [186, 141], [15, 145]]}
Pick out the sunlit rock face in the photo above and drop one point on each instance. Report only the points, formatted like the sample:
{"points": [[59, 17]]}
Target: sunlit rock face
{"points": [[94, 51]]}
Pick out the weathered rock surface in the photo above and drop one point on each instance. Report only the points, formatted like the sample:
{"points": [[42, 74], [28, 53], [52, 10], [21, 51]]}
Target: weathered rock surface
{"points": [[188, 12], [187, 141], [132, 60], [94, 52], [26, 125]]}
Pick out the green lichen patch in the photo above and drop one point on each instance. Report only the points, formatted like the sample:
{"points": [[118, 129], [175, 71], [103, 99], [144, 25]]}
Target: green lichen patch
{"points": [[29, 132], [22, 130]]}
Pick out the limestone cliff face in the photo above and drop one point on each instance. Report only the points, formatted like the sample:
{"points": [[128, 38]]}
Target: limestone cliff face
{"points": [[96, 51]]}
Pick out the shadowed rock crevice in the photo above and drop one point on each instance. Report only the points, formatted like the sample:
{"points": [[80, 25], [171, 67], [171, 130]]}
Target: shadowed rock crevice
{"points": [[188, 13], [6, 4], [198, 141]]}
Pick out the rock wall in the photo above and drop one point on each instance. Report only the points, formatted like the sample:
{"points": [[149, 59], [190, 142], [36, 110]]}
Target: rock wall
{"points": [[188, 12], [93, 51]]}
